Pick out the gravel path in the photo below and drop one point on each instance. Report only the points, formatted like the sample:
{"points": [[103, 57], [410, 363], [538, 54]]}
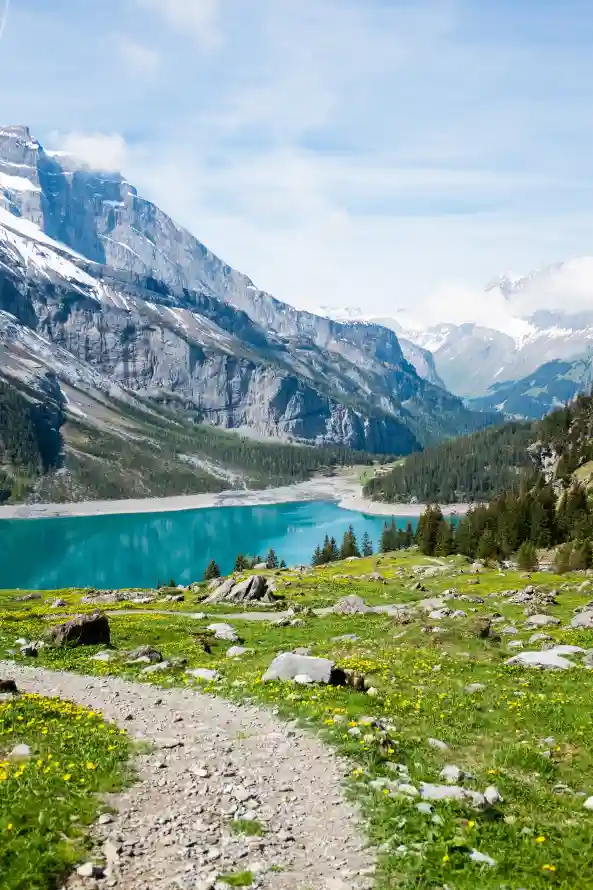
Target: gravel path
{"points": [[387, 609], [209, 762]]}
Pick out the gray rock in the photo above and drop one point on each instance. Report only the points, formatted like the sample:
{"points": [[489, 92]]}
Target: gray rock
{"points": [[29, 651], [508, 630], [588, 804], [493, 795], [224, 631], [539, 638], [351, 605], [237, 651], [102, 656], [20, 753], [548, 660], [58, 604], [482, 858], [153, 656], [90, 870], [541, 620], [429, 791], [82, 630], [344, 638], [473, 688], [287, 666], [438, 744], [452, 774], [583, 619], [204, 674], [156, 668]]}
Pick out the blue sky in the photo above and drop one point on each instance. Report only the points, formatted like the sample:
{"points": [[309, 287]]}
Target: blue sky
{"points": [[388, 155]]}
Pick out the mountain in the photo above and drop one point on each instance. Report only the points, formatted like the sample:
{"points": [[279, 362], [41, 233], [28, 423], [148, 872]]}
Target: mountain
{"points": [[101, 291], [421, 359], [549, 386]]}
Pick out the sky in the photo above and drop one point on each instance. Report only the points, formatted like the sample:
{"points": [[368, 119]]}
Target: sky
{"points": [[393, 156]]}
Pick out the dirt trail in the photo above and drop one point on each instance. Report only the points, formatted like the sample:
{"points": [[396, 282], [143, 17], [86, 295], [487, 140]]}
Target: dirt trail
{"points": [[212, 761]]}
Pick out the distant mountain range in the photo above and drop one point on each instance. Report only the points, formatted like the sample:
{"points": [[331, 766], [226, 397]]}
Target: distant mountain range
{"points": [[545, 364], [103, 295]]}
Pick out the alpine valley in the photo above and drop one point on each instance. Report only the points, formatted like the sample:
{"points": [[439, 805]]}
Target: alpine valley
{"points": [[545, 363], [128, 351]]}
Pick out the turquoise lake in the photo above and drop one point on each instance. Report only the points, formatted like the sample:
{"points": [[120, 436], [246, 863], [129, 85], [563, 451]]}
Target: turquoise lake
{"points": [[141, 549]]}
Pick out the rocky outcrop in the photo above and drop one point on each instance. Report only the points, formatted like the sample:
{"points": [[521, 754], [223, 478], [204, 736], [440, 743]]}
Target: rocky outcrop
{"points": [[121, 298], [82, 630]]}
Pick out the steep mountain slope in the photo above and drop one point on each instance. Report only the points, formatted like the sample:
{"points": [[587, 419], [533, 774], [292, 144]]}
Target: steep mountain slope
{"points": [[154, 312], [548, 387]]}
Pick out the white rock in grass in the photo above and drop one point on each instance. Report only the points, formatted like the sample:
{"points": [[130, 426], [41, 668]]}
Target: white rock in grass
{"points": [[549, 660], [482, 858], [438, 744], [588, 805], [203, 674], [101, 656], [516, 644], [19, 753], [493, 795], [224, 632]]}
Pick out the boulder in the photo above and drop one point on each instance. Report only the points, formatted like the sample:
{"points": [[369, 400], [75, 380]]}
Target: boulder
{"points": [[583, 620], [549, 660], [456, 793], [541, 620], [82, 630], [8, 687], [224, 632], [156, 668], [146, 652], [205, 675], [351, 605], [256, 588], [288, 665], [238, 651]]}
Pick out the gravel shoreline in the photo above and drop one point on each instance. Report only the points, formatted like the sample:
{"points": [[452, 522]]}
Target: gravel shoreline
{"points": [[346, 491], [209, 762]]}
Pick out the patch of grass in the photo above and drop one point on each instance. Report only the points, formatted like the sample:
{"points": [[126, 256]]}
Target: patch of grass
{"points": [[238, 879], [249, 827], [48, 799], [529, 733]]}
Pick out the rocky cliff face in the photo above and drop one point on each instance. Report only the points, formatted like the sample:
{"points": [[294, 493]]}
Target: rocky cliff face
{"points": [[110, 293]]}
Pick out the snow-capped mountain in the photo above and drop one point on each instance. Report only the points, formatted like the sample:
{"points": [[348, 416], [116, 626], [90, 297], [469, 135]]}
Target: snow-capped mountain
{"points": [[102, 290]]}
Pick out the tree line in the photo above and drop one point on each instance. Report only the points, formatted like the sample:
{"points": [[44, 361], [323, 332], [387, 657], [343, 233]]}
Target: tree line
{"points": [[471, 468]]}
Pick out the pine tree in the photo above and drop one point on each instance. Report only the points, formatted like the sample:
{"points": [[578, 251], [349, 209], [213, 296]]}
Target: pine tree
{"points": [[409, 535], [527, 557], [212, 571], [428, 529], [445, 538], [334, 553], [272, 559], [581, 556], [241, 563], [326, 551], [562, 559], [349, 545], [367, 545], [388, 541], [282, 564], [317, 557], [487, 547]]}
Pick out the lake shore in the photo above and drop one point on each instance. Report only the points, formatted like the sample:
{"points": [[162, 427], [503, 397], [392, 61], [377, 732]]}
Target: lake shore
{"points": [[345, 489]]}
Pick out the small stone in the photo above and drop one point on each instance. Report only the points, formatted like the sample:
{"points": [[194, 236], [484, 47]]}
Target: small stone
{"points": [[474, 687], [424, 808], [224, 632], [372, 691], [452, 774], [493, 795], [101, 656], [237, 651], [438, 744], [203, 674], [156, 668], [482, 858], [90, 870], [19, 753], [588, 805], [29, 651], [105, 819]]}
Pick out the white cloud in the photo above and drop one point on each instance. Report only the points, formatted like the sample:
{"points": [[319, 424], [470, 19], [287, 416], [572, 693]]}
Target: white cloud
{"points": [[138, 59], [100, 151], [200, 18]]}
